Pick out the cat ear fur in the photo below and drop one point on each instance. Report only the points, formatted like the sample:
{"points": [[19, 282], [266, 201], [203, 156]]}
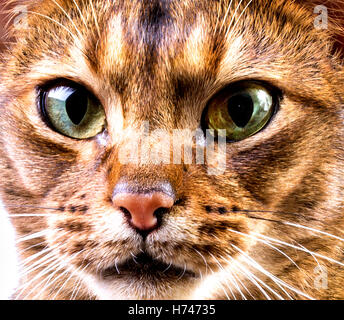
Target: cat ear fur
{"points": [[335, 19]]}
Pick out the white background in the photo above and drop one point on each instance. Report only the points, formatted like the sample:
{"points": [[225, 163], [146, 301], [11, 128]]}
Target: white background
{"points": [[8, 262]]}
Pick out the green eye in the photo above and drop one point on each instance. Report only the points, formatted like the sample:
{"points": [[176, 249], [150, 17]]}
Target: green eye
{"points": [[73, 111], [242, 112]]}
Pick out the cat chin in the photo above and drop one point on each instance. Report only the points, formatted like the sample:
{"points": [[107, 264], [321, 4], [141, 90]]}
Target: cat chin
{"points": [[127, 288], [131, 285]]}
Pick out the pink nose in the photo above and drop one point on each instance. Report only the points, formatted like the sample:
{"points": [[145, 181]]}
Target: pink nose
{"points": [[142, 208]]}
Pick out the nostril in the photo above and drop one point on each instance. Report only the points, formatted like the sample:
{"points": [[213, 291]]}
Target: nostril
{"points": [[126, 212], [160, 212]]}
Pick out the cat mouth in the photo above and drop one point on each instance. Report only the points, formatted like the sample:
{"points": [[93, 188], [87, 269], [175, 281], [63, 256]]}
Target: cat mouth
{"points": [[144, 266]]}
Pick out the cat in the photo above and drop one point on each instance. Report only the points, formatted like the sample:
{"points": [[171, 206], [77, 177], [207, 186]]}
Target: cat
{"points": [[95, 94]]}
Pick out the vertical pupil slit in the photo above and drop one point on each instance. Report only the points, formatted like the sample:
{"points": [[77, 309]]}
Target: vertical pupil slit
{"points": [[240, 109], [76, 106]]}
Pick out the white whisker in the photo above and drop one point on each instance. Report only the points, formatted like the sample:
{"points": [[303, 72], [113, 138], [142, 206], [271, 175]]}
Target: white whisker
{"points": [[232, 19], [52, 20], [225, 17], [231, 276], [278, 281], [43, 272], [205, 261], [243, 11], [314, 230], [254, 279], [299, 248], [81, 15], [38, 234], [95, 18], [69, 18], [25, 215]]}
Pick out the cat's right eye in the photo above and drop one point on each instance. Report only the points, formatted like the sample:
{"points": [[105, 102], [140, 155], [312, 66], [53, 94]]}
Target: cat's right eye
{"points": [[72, 111]]}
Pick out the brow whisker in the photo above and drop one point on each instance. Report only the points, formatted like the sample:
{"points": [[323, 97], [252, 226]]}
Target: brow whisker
{"points": [[232, 19], [95, 18], [53, 20], [81, 15], [69, 18], [225, 17], [242, 12]]}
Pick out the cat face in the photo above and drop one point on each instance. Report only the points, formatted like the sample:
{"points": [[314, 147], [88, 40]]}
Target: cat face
{"points": [[95, 97]]}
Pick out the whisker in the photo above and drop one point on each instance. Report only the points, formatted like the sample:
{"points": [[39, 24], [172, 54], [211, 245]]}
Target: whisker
{"points": [[225, 17], [95, 18], [205, 261], [251, 277], [31, 207], [168, 267], [292, 224], [76, 289], [73, 273], [314, 230], [45, 270], [311, 253], [64, 283], [271, 246], [80, 280], [301, 249], [81, 15], [230, 274], [232, 19], [27, 215], [133, 257], [182, 274], [61, 266], [34, 256], [45, 283], [243, 11], [37, 264], [35, 235], [243, 285], [278, 281], [53, 20], [223, 289], [69, 18]]}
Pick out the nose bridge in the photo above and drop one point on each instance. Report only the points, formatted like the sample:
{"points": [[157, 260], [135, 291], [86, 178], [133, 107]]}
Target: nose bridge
{"points": [[134, 167], [144, 189]]}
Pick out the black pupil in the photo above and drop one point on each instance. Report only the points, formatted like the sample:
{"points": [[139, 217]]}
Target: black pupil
{"points": [[76, 106], [240, 108]]}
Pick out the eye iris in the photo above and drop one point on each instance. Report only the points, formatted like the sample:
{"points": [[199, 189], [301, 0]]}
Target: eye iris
{"points": [[76, 106], [240, 109]]}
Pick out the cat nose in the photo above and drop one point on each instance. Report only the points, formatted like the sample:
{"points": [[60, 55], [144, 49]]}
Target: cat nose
{"points": [[143, 209]]}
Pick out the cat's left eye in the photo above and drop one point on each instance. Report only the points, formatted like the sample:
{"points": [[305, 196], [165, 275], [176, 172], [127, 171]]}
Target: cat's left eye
{"points": [[73, 111], [243, 110]]}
